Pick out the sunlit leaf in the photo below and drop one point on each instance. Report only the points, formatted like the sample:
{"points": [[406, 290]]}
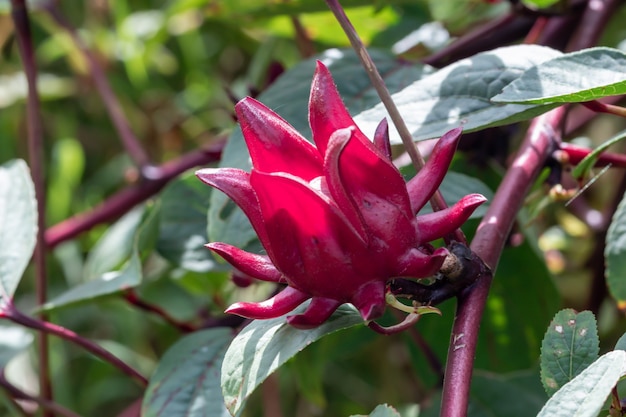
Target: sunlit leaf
{"points": [[615, 255]]}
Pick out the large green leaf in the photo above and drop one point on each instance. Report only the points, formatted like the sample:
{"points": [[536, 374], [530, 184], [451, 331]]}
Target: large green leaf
{"points": [[226, 222], [585, 395], [142, 237], [187, 381], [570, 345], [615, 254], [584, 75], [264, 345], [18, 225], [460, 94], [183, 224]]}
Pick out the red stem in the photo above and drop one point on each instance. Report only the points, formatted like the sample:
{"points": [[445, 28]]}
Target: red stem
{"points": [[34, 128], [17, 393], [488, 244], [120, 203], [133, 298], [131, 143], [576, 153], [11, 313]]}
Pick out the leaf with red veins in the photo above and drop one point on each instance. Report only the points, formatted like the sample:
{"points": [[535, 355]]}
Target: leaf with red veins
{"points": [[274, 145], [423, 185], [235, 183], [316, 313], [312, 241], [435, 225], [417, 264], [327, 113], [282, 303], [381, 139], [257, 266]]}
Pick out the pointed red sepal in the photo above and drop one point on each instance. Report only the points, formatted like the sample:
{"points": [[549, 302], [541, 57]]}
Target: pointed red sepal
{"points": [[435, 225], [312, 237], [370, 300], [257, 266], [381, 139], [235, 183], [417, 264], [316, 313], [274, 145], [282, 303], [425, 183]]}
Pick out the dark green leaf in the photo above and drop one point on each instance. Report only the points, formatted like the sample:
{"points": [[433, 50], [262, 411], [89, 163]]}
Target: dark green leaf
{"points": [[187, 381], [183, 225], [382, 410], [289, 96], [459, 95], [264, 345], [18, 224], [585, 395], [615, 255], [130, 274], [570, 345], [578, 76], [621, 343]]}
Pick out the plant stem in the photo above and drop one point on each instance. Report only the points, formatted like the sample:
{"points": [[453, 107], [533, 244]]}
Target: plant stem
{"points": [[488, 244], [21, 20], [11, 313], [131, 143], [17, 393], [118, 204], [600, 107], [133, 298], [592, 24]]}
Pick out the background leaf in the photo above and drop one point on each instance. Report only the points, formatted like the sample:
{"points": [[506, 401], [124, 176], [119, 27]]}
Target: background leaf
{"points": [[264, 345], [187, 381], [615, 255], [460, 94], [382, 410], [578, 76], [18, 225], [585, 395], [13, 340], [570, 345]]}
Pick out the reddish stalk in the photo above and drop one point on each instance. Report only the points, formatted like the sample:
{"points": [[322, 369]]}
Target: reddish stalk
{"points": [[124, 200], [11, 313], [50, 406], [488, 244], [600, 107], [19, 13], [133, 298], [130, 141]]}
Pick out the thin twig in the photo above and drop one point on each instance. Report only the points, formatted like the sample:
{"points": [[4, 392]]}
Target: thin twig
{"points": [[131, 142], [17, 393], [133, 298], [488, 244], [34, 127], [120, 203], [592, 24], [11, 313], [600, 107]]}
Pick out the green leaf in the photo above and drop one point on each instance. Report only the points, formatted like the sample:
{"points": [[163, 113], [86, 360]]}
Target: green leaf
{"points": [[585, 395], [382, 410], [578, 76], [13, 340], [186, 382], [615, 255], [18, 225], [584, 167], [129, 276], [459, 95], [227, 223], [621, 343], [264, 345], [183, 225], [570, 345]]}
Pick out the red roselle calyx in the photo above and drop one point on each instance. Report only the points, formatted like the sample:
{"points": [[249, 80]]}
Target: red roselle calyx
{"points": [[336, 218]]}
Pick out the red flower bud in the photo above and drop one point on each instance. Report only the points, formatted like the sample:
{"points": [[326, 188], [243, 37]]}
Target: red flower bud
{"points": [[336, 218]]}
